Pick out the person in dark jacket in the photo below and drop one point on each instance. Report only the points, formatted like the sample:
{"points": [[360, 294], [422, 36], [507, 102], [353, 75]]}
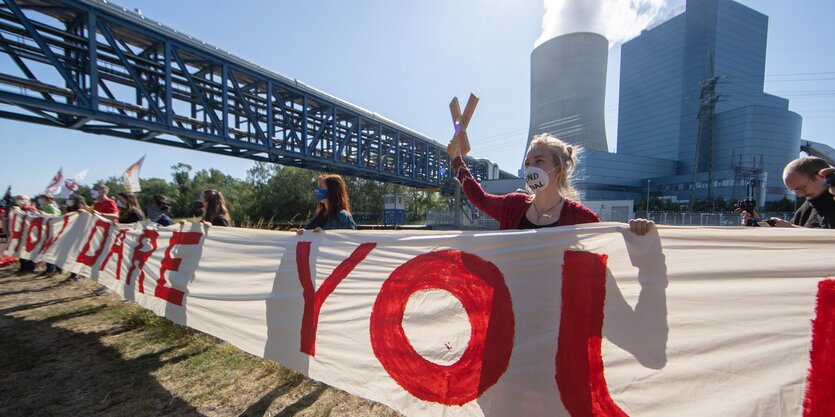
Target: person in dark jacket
{"points": [[129, 211], [158, 209], [213, 205], [807, 177], [75, 202]]}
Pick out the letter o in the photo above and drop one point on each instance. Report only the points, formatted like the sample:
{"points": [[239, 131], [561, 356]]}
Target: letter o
{"points": [[35, 223], [481, 289]]}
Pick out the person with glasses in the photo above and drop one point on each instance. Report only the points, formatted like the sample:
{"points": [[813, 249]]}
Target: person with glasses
{"points": [[812, 178]]}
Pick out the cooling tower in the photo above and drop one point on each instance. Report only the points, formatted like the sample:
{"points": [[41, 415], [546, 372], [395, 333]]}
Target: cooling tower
{"points": [[568, 89]]}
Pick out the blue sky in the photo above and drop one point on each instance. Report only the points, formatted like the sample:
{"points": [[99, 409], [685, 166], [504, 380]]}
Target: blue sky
{"points": [[405, 61]]}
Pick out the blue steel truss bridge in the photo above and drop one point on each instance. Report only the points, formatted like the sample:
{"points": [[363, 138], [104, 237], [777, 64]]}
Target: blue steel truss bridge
{"points": [[92, 66]]}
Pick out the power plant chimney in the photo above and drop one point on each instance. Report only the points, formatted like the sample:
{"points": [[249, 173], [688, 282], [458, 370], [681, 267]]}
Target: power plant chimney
{"points": [[568, 89]]}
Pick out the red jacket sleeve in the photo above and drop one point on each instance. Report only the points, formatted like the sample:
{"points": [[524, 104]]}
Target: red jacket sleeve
{"points": [[491, 204]]}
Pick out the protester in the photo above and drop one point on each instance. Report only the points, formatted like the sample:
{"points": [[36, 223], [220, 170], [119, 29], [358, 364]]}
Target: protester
{"points": [[2, 222], [46, 203], [129, 211], [549, 164], [157, 210], [213, 206], [7, 203], [334, 209], [4, 260], [22, 201], [807, 177], [102, 205], [75, 202]]}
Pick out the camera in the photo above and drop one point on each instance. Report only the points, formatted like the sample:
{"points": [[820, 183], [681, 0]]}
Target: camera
{"points": [[750, 205], [747, 204]]}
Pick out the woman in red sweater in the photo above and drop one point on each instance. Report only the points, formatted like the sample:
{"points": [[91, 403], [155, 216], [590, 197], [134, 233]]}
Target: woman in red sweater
{"points": [[549, 164]]}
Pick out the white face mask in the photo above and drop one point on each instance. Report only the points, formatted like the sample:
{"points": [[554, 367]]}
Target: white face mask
{"points": [[120, 203], [94, 193], [537, 178], [70, 203]]}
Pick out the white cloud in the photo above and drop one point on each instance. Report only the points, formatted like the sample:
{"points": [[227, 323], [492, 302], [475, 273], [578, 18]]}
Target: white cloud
{"points": [[617, 20]]}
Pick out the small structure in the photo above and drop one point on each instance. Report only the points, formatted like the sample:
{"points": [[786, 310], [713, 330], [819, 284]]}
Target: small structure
{"points": [[394, 209]]}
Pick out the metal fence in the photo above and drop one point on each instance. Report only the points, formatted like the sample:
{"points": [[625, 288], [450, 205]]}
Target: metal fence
{"points": [[445, 220], [701, 219]]}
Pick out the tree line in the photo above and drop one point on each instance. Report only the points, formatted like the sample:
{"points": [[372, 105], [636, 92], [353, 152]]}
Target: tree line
{"points": [[273, 194]]}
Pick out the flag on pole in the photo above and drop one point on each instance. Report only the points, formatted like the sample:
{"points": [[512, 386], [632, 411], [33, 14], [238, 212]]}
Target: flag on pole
{"points": [[131, 177], [71, 184], [54, 186]]}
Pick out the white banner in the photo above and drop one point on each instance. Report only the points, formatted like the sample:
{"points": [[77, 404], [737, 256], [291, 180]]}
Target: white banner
{"points": [[571, 321]]}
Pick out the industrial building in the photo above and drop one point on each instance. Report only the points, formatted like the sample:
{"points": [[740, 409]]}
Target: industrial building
{"points": [[568, 89], [693, 119]]}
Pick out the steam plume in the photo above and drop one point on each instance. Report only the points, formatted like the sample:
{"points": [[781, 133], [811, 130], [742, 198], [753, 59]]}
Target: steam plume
{"points": [[617, 20]]}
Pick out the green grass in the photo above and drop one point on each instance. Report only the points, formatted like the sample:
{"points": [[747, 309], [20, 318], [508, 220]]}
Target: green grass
{"points": [[142, 352], [324, 411], [62, 313], [135, 317]]}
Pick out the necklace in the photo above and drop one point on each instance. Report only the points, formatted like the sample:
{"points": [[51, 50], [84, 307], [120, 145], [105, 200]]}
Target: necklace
{"points": [[545, 213]]}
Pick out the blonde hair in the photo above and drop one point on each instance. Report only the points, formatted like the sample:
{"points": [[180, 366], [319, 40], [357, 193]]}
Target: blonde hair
{"points": [[566, 157]]}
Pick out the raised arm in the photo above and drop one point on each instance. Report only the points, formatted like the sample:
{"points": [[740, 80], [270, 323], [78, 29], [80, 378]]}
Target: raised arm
{"points": [[491, 204]]}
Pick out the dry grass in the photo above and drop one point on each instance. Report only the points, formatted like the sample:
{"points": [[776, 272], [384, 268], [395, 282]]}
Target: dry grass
{"points": [[68, 348]]}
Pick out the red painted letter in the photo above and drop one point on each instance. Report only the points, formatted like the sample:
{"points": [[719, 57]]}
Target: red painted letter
{"points": [[481, 289], [50, 240], [17, 234], [170, 263], [117, 248], [35, 223], [313, 299], [90, 260], [137, 262], [819, 401], [579, 360]]}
